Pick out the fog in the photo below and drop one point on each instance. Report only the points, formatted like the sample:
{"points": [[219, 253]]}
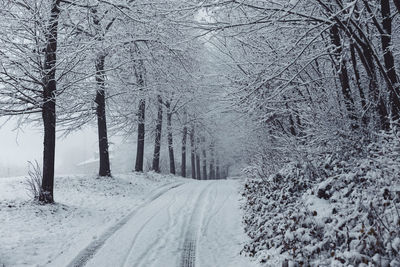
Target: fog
{"points": [[23, 144], [76, 153]]}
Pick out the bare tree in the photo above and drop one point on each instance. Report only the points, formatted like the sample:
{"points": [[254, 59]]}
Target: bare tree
{"points": [[157, 142]]}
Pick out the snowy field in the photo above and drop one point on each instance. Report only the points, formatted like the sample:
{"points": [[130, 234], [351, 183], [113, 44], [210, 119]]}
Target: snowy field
{"points": [[38, 235]]}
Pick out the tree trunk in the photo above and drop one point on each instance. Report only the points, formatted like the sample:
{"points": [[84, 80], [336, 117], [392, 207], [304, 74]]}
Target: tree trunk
{"points": [[226, 171], [183, 163], [292, 128], [217, 173], [49, 105], [140, 136], [157, 142], [193, 153], [397, 4], [374, 95], [212, 165], [203, 141], [386, 39], [357, 77], [343, 76], [139, 73], [170, 139], [223, 175], [198, 170], [100, 100], [104, 159]]}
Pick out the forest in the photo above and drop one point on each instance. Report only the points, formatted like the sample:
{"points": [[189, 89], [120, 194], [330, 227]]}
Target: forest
{"points": [[297, 99]]}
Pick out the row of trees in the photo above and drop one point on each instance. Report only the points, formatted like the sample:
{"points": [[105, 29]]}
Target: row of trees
{"points": [[117, 62], [319, 80], [314, 76]]}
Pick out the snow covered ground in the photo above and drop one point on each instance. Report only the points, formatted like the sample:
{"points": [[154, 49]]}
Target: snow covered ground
{"points": [[196, 224], [35, 235], [131, 220]]}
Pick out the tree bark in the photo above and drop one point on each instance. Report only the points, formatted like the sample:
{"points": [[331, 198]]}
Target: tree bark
{"points": [[292, 127], [217, 172], [226, 171], [104, 159], [170, 139], [386, 39], [376, 96], [139, 73], [193, 153], [212, 161], [157, 141], [397, 4], [49, 105], [357, 77], [203, 142], [140, 136], [183, 163], [343, 76], [198, 170], [366, 58]]}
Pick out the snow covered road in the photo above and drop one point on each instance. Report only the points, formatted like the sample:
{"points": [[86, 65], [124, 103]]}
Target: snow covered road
{"points": [[195, 224]]}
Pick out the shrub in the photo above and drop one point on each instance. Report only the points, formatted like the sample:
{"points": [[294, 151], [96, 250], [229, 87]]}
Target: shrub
{"points": [[341, 209], [34, 180]]}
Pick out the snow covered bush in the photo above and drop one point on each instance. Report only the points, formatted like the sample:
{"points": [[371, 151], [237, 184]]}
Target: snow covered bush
{"points": [[34, 180], [341, 210]]}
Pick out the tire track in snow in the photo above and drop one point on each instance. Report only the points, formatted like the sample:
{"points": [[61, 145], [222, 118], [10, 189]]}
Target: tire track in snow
{"points": [[156, 248], [188, 258], [161, 242], [189, 253], [86, 254], [208, 220], [210, 206], [214, 209], [143, 227]]}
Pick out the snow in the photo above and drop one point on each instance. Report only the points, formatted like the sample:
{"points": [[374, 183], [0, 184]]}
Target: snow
{"points": [[128, 220], [221, 235], [35, 235], [343, 213], [206, 211], [322, 207]]}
